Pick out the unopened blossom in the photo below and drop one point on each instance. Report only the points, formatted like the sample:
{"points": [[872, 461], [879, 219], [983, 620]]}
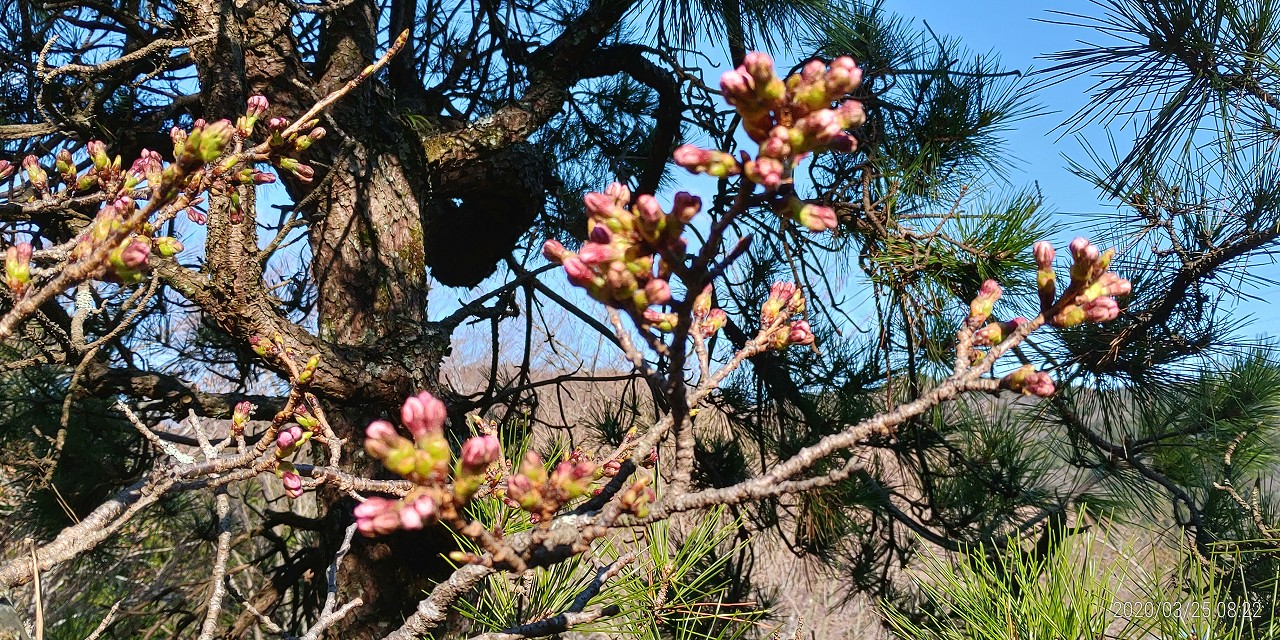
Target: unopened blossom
{"points": [[478, 453], [6, 169], [1027, 381], [982, 305], [800, 333], [288, 437], [36, 174], [240, 416], [377, 516], [996, 332], [17, 266], [717, 164], [292, 483], [423, 414]]}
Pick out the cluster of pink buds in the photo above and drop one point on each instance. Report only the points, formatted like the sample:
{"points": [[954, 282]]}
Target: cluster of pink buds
{"points": [[626, 262], [1090, 296], [789, 119], [784, 303], [427, 461], [541, 493], [380, 516], [286, 147], [707, 320], [289, 441]]}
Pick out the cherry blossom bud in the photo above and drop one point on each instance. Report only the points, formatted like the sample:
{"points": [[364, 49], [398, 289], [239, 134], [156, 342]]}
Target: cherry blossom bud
{"points": [[6, 169], [686, 206], [759, 65], [381, 438], [197, 216], [658, 291], [17, 266], [98, 153], [737, 86], [800, 333], [423, 415], [478, 453], [1044, 254], [713, 323], [648, 209], [292, 484], [713, 163], [35, 173], [579, 273], [620, 193], [555, 252], [377, 516], [1102, 309], [168, 247], [593, 253], [209, 142], [1027, 381], [767, 172], [983, 304], [600, 234], [288, 437], [817, 218], [278, 124], [257, 106], [1069, 316], [240, 416], [996, 332]]}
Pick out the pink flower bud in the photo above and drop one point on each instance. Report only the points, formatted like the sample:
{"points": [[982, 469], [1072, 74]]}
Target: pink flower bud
{"points": [[852, 114], [759, 65], [658, 291], [579, 273], [600, 205], [737, 86], [1044, 254], [292, 484], [817, 218], [766, 172], [619, 192], [257, 106], [478, 453], [36, 175], [1027, 381], [800, 333], [648, 209], [593, 253], [377, 516], [278, 124], [554, 251], [691, 157], [686, 206], [1102, 309], [713, 323], [98, 153], [1078, 247], [423, 415], [17, 266], [6, 168]]}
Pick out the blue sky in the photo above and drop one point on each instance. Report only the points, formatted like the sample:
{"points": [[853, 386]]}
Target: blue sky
{"points": [[1014, 30]]}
